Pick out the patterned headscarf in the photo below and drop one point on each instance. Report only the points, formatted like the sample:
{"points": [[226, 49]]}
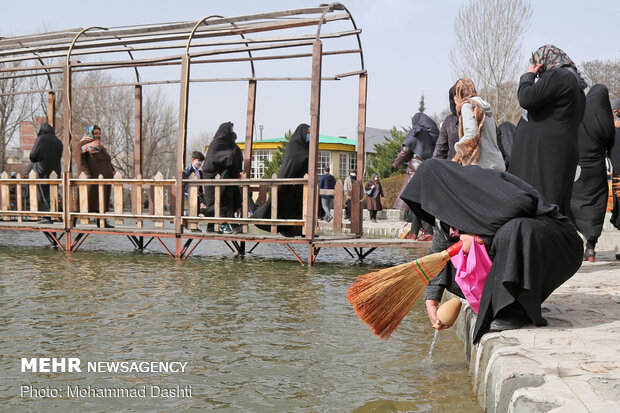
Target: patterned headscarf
{"points": [[551, 57], [89, 143], [468, 152]]}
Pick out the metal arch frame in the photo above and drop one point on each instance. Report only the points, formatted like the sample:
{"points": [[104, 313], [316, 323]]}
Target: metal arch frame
{"points": [[330, 7], [186, 74]]}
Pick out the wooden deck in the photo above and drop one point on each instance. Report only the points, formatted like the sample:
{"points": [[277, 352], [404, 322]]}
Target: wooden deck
{"points": [[70, 240]]}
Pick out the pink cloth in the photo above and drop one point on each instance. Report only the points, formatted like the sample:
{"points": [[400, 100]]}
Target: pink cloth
{"points": [[471, 273]]}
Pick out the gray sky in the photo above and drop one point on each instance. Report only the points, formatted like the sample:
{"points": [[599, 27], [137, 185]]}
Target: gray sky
{"points": [[406, 47]]}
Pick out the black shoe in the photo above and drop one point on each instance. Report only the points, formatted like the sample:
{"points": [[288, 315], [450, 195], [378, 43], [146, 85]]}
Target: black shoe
{"points": [[502, 325], [211, 228], [105, 225], [512, 317], [45, 221], [589, 255]]}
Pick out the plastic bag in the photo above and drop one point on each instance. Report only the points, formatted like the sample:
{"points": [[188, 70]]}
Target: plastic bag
{"points": [[471, 273]]}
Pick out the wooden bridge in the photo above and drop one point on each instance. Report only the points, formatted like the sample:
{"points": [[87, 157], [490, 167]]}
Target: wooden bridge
{"points": [[278, 36]]}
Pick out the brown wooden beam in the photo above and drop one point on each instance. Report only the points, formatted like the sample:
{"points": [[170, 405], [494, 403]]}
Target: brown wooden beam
{"points": [[51, 108], [181, 141], [315, 114], [249, 129]]}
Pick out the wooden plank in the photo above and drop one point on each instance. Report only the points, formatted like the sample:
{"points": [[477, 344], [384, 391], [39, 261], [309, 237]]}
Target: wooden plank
{"points": [[159, 200], [54, 194], [51, 108], [138, 196], [83, 190], [245, 205], [102, 205], [356, 208], [118, 198], [66, 142], [361, 145], [137, 148], [249, 129], [274, 204], [315, 114], [338, 205], [5, 195], [304, 208], [34, 194], [193, 201], [20, 198], [181, 142], [217, 195]]}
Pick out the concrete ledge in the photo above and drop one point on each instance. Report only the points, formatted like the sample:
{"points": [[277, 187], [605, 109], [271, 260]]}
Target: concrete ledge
{"points": [[573, 364]]}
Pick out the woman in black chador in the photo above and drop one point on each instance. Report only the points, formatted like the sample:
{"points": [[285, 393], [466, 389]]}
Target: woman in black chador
{"points": [[590, 191], [534, 248], [224, 158], [545, 151], [290, 197]]}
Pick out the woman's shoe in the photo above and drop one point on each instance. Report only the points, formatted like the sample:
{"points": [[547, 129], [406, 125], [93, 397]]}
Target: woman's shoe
{"points": [[589, 255]]}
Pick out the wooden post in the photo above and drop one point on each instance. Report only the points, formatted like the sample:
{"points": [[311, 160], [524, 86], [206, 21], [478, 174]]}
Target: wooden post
{"points": [[137, 144], [51, 108], [217, 194], [66, 150], [304, 209], [193, 202], [102, 205], [274, 204], [245, 196], [20, 199], [315, 111], [118, 198], [361, 133], [53, 193], [249, 129], [356, 208], [138, 201], [181, 141], [34, 194], [158, 199], [83, 192], [5, 199], [338, 203]]}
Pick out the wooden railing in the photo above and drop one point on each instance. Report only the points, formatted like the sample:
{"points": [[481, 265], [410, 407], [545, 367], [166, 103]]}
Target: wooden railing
{"points": [[19, 200]]}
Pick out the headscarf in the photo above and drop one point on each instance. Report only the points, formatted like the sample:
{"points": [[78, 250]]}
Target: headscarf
{"points": [[89, 143], [223, 155], [422, 136], [377, 188], [468, 152], [551, 57], [451, 93]]}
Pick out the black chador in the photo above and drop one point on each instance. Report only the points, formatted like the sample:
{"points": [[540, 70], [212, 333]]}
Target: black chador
{"points": [[290, 197], [590, 191], [223, 158], [534, 248]]}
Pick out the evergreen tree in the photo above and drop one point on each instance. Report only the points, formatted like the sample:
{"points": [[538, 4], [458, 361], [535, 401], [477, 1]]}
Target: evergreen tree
{"points": [[422, 107], [273, 166], [381, 162]]}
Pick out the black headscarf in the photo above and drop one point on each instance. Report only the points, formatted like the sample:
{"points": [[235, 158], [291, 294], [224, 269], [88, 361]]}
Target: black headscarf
{"points": [[422, 136], [596, 133], [223, 155], [46, 152], [295, 161], [506, 133], [534, 248], [451, 93]]}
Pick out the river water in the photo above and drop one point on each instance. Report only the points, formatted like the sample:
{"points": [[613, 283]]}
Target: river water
{"points": [[257, 334]]}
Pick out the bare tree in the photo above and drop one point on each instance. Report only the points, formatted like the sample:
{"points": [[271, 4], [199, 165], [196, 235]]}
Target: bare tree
{"points": [[13, 110], [606, 72], [488, 50]]}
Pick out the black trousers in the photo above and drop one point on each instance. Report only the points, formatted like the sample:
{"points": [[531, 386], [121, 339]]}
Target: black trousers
{"points": [[373, 214]]}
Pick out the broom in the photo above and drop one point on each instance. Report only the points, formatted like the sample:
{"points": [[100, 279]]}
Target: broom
{"points": [[381, 299]]}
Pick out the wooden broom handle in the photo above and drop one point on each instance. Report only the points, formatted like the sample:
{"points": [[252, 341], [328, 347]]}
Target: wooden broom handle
{"points": [[454, 248]]}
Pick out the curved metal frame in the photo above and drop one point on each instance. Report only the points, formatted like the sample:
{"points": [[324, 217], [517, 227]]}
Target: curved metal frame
{"points": [[359, 40]]}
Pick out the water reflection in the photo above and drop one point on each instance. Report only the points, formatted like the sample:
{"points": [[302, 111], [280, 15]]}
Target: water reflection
{"points": [[258, 334]]}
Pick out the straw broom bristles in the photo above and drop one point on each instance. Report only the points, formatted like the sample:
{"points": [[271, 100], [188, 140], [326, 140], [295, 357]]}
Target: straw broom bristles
{"points": [[381, 299]]}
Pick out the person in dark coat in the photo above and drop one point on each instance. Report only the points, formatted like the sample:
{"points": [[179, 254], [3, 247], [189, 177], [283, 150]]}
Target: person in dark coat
{"points": [[94, 161], [546, 151], [506, 132], [45, 156], [590, 190], [614, 157], [290, 197], [449, 132], [534, 248], [417, 147], [327, 181], [223, 158], [374, 193]]}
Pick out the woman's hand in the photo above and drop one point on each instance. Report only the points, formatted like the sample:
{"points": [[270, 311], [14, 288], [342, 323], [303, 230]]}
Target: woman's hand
{"points": [[431, 309], [535, 68], [467, 240]]}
